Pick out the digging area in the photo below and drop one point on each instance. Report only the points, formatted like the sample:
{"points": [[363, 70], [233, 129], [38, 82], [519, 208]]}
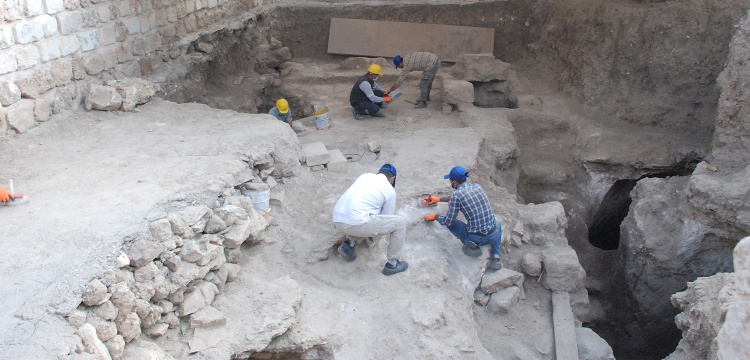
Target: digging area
{"points": [[606, 105]]}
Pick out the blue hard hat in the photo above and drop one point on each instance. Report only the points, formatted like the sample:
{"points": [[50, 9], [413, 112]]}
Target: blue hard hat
{"points": [[458, 173], [391, 169], [397, 60]]}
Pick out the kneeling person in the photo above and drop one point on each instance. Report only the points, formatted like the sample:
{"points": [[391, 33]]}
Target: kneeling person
{"points": [[367, 209]]}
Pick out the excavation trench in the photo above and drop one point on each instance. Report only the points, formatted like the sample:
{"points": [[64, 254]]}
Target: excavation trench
{"points": [[630, 105]]}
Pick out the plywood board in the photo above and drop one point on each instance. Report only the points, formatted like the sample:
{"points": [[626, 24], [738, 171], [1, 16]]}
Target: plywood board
{"points": [[566, 344], [387, 38]]}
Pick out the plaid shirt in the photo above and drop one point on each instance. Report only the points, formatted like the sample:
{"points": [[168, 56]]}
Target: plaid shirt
{"points": [[472, 201], [418, 61]]}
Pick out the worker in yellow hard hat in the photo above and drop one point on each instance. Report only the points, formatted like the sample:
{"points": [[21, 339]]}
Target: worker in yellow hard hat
{"points": [[367, 97], [281, 111]]}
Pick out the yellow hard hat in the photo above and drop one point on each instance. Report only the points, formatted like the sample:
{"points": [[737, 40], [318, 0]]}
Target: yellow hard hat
{"points": [[283, 106], [375, 69]]}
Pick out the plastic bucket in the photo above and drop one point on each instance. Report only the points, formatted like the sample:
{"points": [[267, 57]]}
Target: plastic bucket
{"points": [[322, 119], [261, 200]]}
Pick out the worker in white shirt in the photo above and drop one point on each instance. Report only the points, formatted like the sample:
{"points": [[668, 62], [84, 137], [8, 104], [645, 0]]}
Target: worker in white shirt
{"points": [[368, 209]]}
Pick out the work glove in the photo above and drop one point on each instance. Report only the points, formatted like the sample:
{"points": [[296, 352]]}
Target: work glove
{"points": [[431, 217], [387, 92], [387, 99], [432, 199], [4, 195]]}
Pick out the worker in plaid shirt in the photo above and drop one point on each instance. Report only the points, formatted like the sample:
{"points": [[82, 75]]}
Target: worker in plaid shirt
{"points": [[471, 200]]}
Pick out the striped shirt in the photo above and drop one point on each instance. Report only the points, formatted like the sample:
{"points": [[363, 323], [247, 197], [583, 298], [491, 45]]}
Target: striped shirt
{"points": [[472, 201], [417, 61]]}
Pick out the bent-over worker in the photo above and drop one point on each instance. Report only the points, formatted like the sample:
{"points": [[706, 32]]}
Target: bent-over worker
{"points": [[426, 62]]}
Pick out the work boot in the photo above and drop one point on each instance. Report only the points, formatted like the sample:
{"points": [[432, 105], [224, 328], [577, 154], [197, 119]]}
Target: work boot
{"points": [[358, 116], [496, 263], [346, 249], [472, 249], [378, 114], [421, 104], [400, 266]]}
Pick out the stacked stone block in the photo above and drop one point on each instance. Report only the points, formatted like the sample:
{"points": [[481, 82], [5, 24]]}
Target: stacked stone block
{"points": [[319, 158]]}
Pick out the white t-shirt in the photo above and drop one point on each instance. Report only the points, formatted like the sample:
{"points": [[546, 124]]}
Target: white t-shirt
{"points": [[370, 194]]}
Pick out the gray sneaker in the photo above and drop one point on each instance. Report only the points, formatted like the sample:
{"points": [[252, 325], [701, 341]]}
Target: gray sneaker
{"points": [[472, 249], [496, 263], [421, 104], [358, 116], [347, 251], [400, 266], [378, 114]]}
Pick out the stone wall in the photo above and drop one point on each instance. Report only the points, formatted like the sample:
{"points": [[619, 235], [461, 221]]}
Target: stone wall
{"points": [[51, 51]]}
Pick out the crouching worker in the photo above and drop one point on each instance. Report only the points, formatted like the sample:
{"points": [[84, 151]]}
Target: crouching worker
{"points": [[471, 200], [281, 111], [367, 97], [367, 209]]}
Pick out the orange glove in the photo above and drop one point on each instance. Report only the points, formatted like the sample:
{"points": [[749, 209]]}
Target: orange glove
{"points": [[387, 99], [431, 217], [432, 199], [387, 92], [4, 195]]}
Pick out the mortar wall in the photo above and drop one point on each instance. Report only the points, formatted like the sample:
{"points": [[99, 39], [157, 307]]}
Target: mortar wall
{"points": [[46, 45]]}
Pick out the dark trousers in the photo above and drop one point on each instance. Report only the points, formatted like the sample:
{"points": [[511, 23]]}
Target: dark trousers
{"points": [[368, 107]]}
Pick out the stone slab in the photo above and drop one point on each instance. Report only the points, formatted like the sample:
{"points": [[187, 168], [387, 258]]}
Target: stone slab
{"points": [[316, 154], [566, 345], [375, 38], [338, 162]]}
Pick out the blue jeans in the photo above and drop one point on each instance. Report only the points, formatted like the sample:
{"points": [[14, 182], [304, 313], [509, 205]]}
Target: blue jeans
{"points": [[368, 107], [458, 228]]}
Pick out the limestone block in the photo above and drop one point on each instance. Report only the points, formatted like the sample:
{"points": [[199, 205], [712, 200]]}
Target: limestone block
{"points": [[456, 91], [133, 24], [129, 326], [33, 7], [95, 293], [92, 343], [338, 162], [107, 34], [494, 281], [233, 270], [204, 47], [180, 226], [277, 197], [76, 318], [187, 272], [134, 91], [143, 250], [49, 49], [9, 93], [563, 272], [248, 229], [171, 320], [316, 153], [69, 44], [233, 214], [26, 32], [6, 37], [161, 288], [32, 86], [89, 39], [8, 62], [317, 168], [204, 338], [501, 301], [108, 56], [106, 310], [215, 225], [122, 260], [271, 182], [102, 13], [171, 14], [47, 23], [207, 317], [161, 229], [28, 56], [20, 116], [202, 295], [480, 67], [69, 22], [105, 330], [122, 297], [93, 64], [148, 313], [116, 346], [200, 252], [166, 306], [480, 297], [170, 260], [53, 6], [104, 98], [146, 272], [219, 277], [532, 264], [233, 255], [544, 224], [145, 290]]}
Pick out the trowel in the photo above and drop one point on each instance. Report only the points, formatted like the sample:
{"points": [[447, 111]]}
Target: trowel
{"points": [[15, 199]]}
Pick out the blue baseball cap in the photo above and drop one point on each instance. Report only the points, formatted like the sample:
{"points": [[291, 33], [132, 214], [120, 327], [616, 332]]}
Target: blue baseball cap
{"points": [[397, 60], [391, 169], [457, 173]]}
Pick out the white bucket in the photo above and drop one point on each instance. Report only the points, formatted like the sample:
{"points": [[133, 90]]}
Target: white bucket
{"points": [[261, 200], [322, 120]]}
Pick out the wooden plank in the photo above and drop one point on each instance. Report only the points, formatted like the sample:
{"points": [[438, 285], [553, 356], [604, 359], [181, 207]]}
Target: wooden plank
{"points": [[566, 344], [387, 38]]}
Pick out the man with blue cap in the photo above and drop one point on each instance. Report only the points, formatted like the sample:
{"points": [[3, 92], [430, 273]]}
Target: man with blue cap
{"points": [[368, 209], [426, 62], [471, 200]]}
